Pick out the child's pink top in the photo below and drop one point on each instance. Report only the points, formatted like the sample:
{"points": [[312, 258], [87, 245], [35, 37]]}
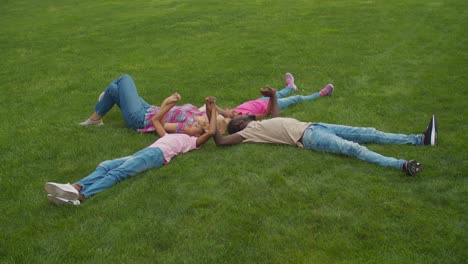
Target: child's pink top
{"points": [[254, 107], [174, 144]]}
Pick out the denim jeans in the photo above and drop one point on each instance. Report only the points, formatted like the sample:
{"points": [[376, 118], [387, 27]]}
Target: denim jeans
{"points": [[344, 140], [284, 101], [122, 91], [113, 171]]}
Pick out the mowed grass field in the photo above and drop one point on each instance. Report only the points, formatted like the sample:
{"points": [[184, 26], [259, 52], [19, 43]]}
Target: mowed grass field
{"points": [[393, 64]]}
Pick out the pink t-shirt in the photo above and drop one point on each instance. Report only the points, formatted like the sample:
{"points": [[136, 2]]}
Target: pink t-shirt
{"points": [[174, 144], [254, 107]]}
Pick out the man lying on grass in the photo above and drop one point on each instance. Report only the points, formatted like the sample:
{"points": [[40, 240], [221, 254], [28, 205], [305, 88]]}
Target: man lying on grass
{"points": [[156, 155], [324, 137]]}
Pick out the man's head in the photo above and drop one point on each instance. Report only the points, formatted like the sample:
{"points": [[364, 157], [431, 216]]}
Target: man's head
{"points": [[238, 123]]}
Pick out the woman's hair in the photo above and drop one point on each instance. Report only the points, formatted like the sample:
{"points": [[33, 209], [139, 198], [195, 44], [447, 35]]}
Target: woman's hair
{"points": [[233, 126]]}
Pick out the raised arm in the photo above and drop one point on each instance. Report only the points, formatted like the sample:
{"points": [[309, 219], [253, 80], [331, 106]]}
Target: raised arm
{"points": [[272, 108], [219, 110], [226, 113], [211, 112], [158, 119]]}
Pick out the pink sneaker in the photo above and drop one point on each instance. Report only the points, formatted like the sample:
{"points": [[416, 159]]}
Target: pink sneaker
{"points": [[290, 80], [327, 90]]}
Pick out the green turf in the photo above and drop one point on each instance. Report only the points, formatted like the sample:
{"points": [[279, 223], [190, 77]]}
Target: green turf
{"points": [[393, 63]]}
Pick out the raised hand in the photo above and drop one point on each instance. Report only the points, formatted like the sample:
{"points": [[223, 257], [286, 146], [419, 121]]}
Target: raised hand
{"points": [[268, 91], [174, 98], [210, 103]]}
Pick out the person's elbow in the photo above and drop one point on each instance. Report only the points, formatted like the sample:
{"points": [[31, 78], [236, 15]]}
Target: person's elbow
{"points": [[219, 141], [220, 144]]}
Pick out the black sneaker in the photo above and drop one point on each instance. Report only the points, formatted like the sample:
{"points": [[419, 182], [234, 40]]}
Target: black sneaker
{"points": [[430, 134], [413, 167]]}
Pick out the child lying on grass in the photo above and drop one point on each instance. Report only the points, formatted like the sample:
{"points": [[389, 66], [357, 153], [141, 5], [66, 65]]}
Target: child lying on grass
{"points": [[156, 155]]}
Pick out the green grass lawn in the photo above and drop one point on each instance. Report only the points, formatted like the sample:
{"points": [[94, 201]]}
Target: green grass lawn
{"points": [[393, 64]]}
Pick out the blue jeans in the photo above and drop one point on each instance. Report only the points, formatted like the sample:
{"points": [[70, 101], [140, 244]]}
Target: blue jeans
{"points": [[344, 140], [122, 91], [284, 102], [113, 171]]}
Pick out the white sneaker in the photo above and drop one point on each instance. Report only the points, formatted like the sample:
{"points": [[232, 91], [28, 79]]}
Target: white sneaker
{"points": [[289, 78], [89, 122], [65, 191], [58, 200]]}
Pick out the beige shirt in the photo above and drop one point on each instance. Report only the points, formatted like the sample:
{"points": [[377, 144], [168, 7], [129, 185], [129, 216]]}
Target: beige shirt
{"points": [[279, 130]]}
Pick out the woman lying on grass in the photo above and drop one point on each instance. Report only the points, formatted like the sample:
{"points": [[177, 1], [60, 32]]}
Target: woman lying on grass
{"points": [[187, 118], [156, 155], [138, 114]]}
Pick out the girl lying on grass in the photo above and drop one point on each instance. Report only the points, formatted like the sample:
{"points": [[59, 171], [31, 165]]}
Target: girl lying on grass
{"points": [[259, 106], [156, 155]]}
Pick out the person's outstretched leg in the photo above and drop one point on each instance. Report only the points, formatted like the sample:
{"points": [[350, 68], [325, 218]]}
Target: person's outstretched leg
{"points": [[142, 160], [288, 101], [106, 175], [321, 138], [99, 173], [372, 135], [60, 193]]}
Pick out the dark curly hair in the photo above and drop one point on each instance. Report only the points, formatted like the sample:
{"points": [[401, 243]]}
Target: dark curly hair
{"points": [[233, 127]]}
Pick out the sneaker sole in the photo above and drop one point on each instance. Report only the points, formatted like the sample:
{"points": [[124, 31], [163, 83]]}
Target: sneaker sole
{"points": [[434, 132], [56, 200], [56, 191], [96, 124], [417, 170], [332, 88]]}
